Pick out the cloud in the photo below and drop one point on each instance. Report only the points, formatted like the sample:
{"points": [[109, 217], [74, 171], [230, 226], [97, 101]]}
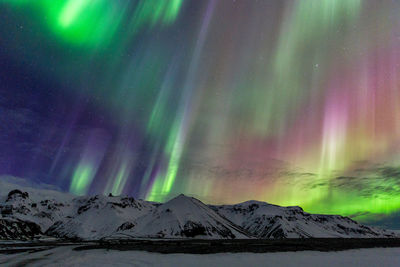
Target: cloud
{"points": [[375, 181], [385, 221]]}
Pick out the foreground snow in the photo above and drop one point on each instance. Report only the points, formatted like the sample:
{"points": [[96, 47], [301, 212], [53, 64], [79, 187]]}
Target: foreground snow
{"points": [[65, 256]]}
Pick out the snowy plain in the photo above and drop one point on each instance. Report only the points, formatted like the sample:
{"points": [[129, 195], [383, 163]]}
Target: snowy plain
{"points": [[66, 256]]}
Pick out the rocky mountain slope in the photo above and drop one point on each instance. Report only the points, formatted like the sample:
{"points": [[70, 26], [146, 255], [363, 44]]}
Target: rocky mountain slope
{"points": [[12, 229]]}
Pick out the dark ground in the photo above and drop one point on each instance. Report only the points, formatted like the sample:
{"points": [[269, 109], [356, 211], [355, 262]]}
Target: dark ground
{"points": [[194, 246]]}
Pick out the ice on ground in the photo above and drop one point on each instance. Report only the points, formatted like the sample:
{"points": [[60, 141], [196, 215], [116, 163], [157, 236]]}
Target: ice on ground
{"points": [[66, 256]]}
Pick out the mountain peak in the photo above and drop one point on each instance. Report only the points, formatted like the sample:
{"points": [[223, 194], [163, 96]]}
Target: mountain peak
{"points": [[182, 202], [16, 193], [252, 202]]}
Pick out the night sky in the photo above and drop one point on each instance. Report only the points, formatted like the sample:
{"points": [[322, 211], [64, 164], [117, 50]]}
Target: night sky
{"points": [[289, 102]]}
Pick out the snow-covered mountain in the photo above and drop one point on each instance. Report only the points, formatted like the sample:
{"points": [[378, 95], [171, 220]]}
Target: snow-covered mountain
{"points": [[24, 215], [34, 211], [100, 216], [44, 213], [264, 220], [184, 217], [80, 218]]}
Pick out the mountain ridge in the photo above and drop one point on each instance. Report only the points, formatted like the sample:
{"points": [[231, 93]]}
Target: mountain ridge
{"points": [[97, 217]]}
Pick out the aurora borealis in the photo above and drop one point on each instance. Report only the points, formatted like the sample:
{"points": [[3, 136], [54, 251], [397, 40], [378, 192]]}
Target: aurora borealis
{"points": [[289, 102]]}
